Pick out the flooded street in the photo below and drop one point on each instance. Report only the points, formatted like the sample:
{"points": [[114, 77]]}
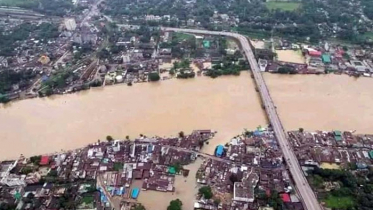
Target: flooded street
{"points": [[327, 102], [186, 190], [227, 104]]}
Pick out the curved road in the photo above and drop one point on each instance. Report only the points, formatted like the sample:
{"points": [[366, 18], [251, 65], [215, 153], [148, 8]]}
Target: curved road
{"points": [[308, 197]]}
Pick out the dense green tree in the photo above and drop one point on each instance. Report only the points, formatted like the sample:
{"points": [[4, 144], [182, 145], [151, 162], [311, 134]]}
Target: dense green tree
{"points": [[153, 77], [109, 138], [206, 192], [175, 205]]}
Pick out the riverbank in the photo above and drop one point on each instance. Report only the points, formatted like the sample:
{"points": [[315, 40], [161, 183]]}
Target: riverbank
{"points": [[44, 125]]}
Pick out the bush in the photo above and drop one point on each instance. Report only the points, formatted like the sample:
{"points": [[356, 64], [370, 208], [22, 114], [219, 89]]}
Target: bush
{"points": [[154, 77], [175, 205], [206, 192], [109, 138]]}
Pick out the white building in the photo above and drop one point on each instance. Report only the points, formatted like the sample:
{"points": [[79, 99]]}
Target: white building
{"points": [[70, 24]]}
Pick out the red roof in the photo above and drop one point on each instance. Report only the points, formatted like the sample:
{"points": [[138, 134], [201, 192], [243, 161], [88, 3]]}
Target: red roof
{"points": [[285, 197], [44, 160], [314, 53]]}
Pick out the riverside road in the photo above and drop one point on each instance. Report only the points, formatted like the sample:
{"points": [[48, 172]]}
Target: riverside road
{"points": [[308, 197]]}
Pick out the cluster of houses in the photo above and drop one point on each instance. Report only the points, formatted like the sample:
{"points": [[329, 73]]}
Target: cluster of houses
{"points": [[248, 164], [91, 176], [320, 59], [333, 150]]}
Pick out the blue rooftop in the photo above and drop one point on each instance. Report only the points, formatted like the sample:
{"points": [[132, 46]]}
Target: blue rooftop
{"points": [[135, 193], [219, 150]]}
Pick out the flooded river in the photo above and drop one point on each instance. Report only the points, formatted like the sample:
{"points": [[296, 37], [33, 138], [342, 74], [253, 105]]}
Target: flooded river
{"points": [[228, 105], [43, 125], [317, 102]]}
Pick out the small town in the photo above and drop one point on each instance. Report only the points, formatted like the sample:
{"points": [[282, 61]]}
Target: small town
{"points": [[125, 67], [95, 45], [248, 172]]}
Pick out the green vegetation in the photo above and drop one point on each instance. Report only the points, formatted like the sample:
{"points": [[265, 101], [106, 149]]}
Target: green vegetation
{"points": [[261, 22], [229, 66], [8, 78], [153, 77], [177, 166], [285, 6], [26, 170], [57, 80], [18, 3], [35, 159], [181, 134], [179, 37], [138, 206], [287, 70], [118, 166], [185, 75], [109, 138], [87, 199], [368, 35], [339, 202], [273, 199], [182, 45], [184, 64], [47, 31], [48, 7], [349, 191], [183, 69], [9, 41], [53, 173], [206, 192], [175, 205]]}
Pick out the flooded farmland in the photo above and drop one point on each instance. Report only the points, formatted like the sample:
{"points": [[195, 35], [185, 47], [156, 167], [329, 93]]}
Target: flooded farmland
{"points": [[45, 125], [323, 102]]}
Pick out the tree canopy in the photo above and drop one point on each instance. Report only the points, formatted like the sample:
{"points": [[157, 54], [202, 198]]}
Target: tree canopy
{"points": [[206, 192], [153, 77], [175, 205]]}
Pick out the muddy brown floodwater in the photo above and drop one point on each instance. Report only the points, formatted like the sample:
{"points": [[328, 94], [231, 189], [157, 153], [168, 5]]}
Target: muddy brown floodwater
{"points": [[43, 125], [323, 102], [186, 189]]}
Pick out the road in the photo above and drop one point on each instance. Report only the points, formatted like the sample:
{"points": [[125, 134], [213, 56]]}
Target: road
{"points": [[102, 185], [308, 197], [92, 12]]}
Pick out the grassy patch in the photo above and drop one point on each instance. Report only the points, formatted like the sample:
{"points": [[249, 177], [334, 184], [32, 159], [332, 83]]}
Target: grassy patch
{"points": [[16, 3], [368, 35], [286, 6], [251, 33], [178, 37], [87, 199], [339, 202], [118, 166]]}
